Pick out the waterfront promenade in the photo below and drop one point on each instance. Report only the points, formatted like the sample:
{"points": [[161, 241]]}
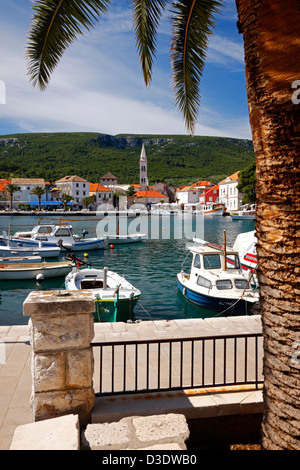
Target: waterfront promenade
{"points": [[15, 373]]}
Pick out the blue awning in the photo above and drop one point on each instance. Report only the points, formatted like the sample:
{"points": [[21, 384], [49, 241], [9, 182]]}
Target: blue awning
{"points": [[49, 203]]}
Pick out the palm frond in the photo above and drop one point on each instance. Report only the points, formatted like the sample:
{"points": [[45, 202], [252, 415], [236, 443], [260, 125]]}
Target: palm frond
{"points": [[146, 16], [192, 23], [55, 25]]}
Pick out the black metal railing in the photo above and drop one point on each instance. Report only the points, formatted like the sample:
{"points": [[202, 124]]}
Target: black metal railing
{"points": [[156, 365]]}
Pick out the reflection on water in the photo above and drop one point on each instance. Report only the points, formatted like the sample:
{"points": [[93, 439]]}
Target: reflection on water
{"points": [[151, 266]]}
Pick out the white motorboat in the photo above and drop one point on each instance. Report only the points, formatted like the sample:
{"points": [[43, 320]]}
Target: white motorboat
{"points": [[57, 235], [122, 239], [14, 249], [212, 208], [115, 297], [38, 271], [216, 281], [245, 245], [247, 212]]}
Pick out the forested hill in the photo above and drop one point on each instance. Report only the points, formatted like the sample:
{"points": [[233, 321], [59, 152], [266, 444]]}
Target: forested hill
{"points": [[173, 159]]}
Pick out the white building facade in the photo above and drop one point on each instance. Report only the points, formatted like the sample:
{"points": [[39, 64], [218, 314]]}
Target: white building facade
{"points": [[24, 194], [229, 194], [74, 186]]}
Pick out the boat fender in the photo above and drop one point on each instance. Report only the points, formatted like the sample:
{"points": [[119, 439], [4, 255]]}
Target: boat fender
{"points": [[184, 291], [39, 277]]}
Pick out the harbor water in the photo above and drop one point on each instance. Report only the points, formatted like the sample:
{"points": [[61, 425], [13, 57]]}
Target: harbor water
{"points": [[151, 266]]}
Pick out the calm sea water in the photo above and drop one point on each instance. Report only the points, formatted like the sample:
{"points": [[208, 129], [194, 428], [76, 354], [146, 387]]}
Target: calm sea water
{"points": [[151, 266]]}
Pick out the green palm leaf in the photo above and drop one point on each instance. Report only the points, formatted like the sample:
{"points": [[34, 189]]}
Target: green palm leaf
{"points": [[146, 16], [192, 23], [55, 25]]}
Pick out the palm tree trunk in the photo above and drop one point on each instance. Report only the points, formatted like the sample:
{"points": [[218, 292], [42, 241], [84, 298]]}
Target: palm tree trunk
{"points": [[270, 30]]}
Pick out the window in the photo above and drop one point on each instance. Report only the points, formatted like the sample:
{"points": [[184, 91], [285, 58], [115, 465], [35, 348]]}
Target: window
{"points": [[240, 283], [212, 261], [201, 281], [83, 192], [232, 262], [83, 185], [62, 232], [224, 284], [197, 263]]}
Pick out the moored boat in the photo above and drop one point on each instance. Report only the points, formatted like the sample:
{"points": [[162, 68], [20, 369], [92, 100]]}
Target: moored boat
{"points": [[247, 212], [115, 297], [57, 235], [216, 281], [38, 271], [15, 249]]}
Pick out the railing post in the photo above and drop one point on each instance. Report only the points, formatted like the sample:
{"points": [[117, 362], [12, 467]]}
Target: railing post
{"points": [[61, 331]]}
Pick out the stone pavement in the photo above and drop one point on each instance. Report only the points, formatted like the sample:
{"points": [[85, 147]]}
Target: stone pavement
{"points": [[15, 370]]}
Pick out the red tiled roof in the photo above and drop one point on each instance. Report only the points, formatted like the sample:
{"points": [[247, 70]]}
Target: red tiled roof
{"points": [[3, 184], [202, 183], [233, 177], [98, 187], [150, 193]]}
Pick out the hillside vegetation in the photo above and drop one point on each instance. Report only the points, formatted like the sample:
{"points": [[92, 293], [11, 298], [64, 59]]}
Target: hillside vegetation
{"points": [[173, 159]]}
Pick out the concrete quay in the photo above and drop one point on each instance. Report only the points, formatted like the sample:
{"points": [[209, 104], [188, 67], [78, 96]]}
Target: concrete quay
{"points": [[15, 376]]}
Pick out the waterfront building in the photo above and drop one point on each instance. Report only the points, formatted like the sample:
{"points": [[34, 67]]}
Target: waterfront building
{"points": [[210, 195], [109, 180], [229, 194], [74, 186], [24, 194], [103, 195]]}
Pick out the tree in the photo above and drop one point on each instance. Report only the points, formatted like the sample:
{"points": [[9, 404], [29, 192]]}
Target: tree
{"points": [[11, 189], [247, 186], [87, 201], [65, 198], [270, 31], [38, 191]]}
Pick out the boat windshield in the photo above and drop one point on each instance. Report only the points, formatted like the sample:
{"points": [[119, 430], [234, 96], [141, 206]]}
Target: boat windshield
{"points": [[212, 261], [45, 229]]}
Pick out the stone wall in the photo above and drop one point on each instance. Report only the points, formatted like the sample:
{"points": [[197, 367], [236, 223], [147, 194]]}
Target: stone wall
{"points": [[61, 331]]}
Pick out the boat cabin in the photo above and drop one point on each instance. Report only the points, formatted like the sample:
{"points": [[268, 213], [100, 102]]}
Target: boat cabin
{"points": [[213, 268], [42, 232]]}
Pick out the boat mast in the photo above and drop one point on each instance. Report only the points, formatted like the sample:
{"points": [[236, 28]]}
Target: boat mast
{"points": [[225, 267]]}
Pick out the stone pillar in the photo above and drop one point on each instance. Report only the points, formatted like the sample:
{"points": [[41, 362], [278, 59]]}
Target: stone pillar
{"points": [[61, 331]]}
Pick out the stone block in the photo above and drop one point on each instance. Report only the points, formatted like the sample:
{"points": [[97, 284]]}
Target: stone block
{"points": [[58, 302], [107, 436], [160, 429], [47, 405], [79, 368], [61, 332], [61, 433], [48, 372]]}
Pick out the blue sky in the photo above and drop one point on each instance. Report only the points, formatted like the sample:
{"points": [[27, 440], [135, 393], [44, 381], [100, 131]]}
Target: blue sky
{"points": [[98, 84]]}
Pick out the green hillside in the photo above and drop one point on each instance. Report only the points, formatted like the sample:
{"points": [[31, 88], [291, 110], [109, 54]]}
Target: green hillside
{"points": [[172, 159]]}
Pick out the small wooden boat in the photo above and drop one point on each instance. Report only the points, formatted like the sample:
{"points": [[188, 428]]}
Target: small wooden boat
{"points": [[115, 297], [216, 281], [38, 271], [19, 259], [17, 250]]}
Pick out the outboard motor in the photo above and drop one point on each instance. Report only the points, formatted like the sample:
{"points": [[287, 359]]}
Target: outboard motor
{"points": [[84, 233]]}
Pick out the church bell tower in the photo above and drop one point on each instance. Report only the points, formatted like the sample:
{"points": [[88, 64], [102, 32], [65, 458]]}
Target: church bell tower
{"points": [[143, 170]]}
